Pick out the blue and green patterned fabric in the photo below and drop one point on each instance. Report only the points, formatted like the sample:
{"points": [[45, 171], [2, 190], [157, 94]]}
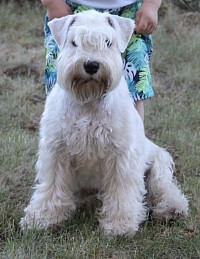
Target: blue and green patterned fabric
{"points": [[136, 58]]}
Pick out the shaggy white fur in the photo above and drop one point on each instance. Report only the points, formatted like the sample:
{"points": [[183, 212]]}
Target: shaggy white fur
{"points": [[91, 136]]}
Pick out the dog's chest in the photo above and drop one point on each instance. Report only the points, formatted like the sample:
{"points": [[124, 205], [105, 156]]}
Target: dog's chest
{"points": [[87, 138]]}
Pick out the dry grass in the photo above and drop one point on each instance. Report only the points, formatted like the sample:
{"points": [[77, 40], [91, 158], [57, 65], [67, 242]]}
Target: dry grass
{"points": [[172, 120]]}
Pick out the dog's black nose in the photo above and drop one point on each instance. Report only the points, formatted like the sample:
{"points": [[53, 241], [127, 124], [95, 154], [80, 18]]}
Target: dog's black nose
{"points": [[91, 67]]}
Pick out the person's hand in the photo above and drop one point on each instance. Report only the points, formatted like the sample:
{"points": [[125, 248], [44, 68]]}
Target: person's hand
{"points": [[56, 9], [146, 19]]}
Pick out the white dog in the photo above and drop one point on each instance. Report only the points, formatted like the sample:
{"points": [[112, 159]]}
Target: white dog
{"points": [[92, 138]]}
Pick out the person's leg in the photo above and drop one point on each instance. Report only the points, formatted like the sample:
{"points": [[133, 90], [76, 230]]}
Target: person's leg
{"points": [[139, 105], [51, 53], [136, 63]]}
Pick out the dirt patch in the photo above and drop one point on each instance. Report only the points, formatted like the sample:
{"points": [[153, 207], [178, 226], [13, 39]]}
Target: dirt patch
{"points": [[23, 70]]}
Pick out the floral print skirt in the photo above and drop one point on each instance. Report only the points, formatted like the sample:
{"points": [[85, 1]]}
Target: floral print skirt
{"points": [[136, 58]]}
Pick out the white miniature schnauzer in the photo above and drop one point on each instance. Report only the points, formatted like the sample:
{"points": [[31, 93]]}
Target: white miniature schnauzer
{"points": [[92, 138]]}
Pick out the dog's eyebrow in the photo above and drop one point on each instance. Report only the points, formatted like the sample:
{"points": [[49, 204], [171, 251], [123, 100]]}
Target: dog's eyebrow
{"points": [[72, 22], [110, 22]]}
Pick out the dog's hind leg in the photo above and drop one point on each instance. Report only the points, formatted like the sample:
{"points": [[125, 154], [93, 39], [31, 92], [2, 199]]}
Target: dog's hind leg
{"points": [[52, 201], [165, 198]]}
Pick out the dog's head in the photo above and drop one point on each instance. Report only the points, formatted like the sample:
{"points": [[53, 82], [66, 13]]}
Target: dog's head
{"points": [[91, 43]]}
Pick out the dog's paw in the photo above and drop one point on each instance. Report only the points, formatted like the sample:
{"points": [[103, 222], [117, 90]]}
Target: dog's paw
{"points": [[119, 228], [42, 219], [168, 210], [28, 223], [31, 222]]}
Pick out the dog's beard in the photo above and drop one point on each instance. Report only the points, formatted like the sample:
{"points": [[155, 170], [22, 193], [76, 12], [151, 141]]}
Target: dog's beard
{"points": [[89, 89]]}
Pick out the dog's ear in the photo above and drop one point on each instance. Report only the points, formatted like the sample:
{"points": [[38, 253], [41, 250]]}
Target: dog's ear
{"points": [[124, 28], [59, 28]]}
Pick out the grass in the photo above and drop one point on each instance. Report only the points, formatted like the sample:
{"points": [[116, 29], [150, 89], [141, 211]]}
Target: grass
{"points": [[172, 120]]}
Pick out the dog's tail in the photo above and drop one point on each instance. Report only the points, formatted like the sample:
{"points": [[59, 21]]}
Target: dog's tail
{"points": [[165, 197]]}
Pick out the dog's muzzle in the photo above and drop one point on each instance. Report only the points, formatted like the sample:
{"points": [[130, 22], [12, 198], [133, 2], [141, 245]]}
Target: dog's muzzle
{"points": [[90, 81]]}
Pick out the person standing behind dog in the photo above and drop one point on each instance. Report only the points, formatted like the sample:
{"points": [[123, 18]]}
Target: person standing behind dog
{"points": [[137, 56]]}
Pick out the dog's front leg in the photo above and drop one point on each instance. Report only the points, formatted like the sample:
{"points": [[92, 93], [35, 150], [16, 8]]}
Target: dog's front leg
{"points": [[122, 196], [52, 201]]}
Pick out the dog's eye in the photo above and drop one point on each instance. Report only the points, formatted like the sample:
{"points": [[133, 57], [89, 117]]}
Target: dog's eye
{"points": [[108, 43], [74, 43]]}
